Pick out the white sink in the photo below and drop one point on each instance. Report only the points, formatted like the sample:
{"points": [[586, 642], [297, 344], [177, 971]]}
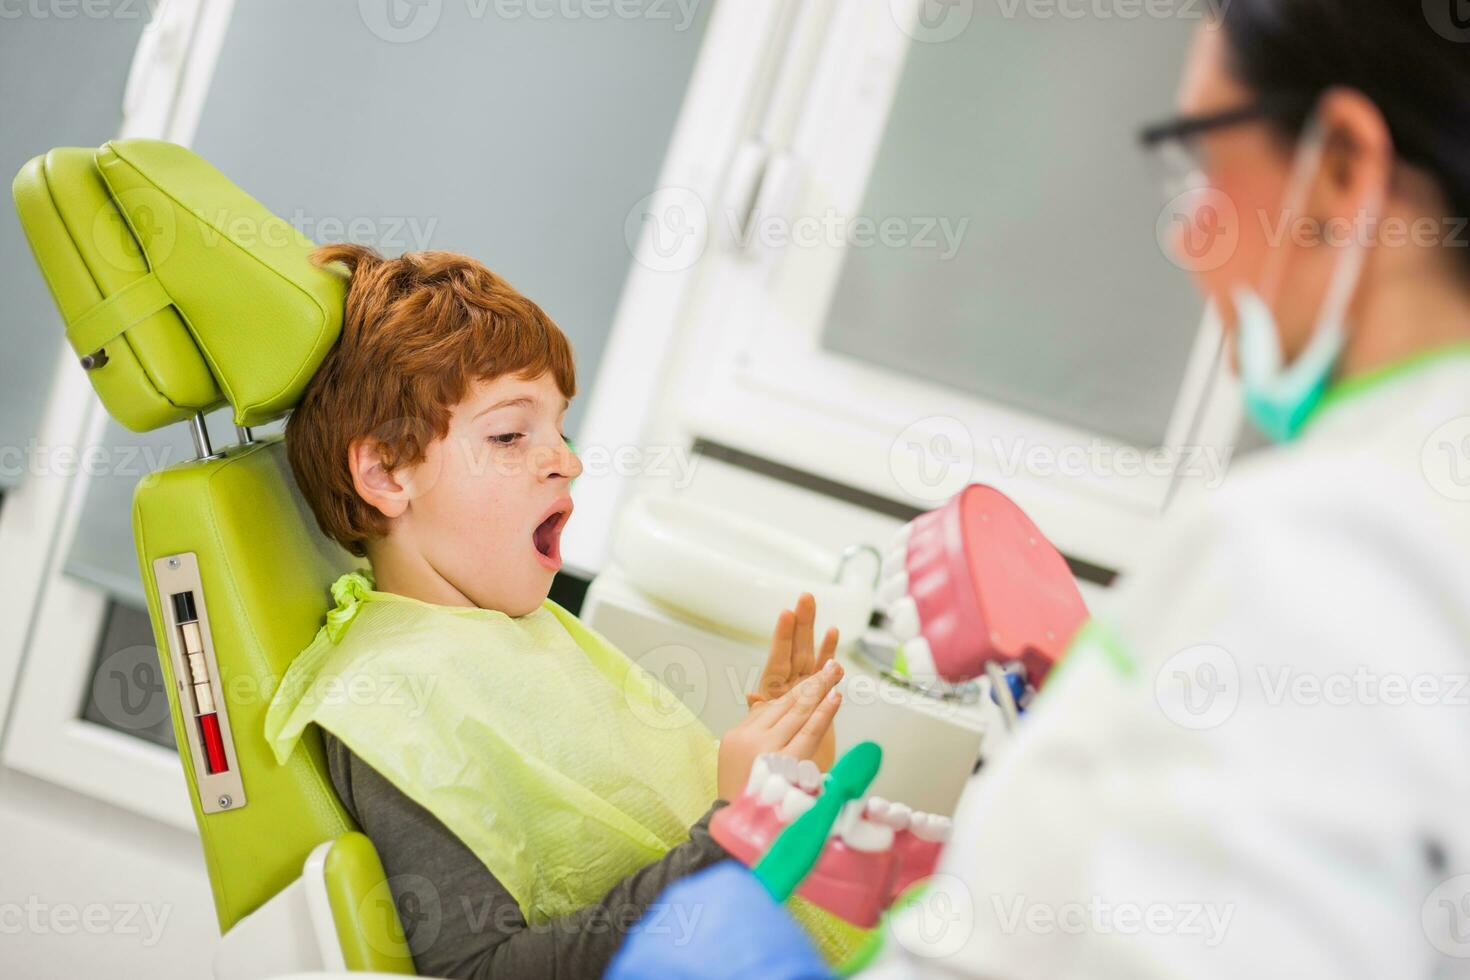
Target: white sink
{"points": [[731, 572]]}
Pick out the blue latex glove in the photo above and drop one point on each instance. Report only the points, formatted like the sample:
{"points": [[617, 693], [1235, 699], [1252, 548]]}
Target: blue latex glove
{"points": [[718, 923]]}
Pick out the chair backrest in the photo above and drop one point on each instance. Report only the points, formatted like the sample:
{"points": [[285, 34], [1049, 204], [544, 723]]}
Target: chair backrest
{"points": [[182, 294]]}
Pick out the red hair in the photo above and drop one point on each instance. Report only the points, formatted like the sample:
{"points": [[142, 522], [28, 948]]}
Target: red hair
{"points": [[417, 331]]}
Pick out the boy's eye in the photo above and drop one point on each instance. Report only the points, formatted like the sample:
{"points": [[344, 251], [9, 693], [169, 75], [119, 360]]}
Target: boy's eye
{"points": [[508, 439]]}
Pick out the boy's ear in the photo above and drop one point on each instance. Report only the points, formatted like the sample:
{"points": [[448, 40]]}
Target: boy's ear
{"points": [[375, 483]]}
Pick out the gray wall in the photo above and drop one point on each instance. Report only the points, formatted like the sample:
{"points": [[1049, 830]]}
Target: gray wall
{"points": [[61, 82]]}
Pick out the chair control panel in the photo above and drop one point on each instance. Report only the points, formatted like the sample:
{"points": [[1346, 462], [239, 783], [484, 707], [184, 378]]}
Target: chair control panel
{"points": [[198, 687]]}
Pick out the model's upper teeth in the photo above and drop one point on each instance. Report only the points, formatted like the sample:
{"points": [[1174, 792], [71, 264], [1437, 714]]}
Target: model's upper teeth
{"points": [[795, 803], [758, 773], [900, 537], [895, 561], [895, 815], [893, 588], [786, 765], [920, 659], [903, 619], [790, 786], [930, 827], [860, 834]]}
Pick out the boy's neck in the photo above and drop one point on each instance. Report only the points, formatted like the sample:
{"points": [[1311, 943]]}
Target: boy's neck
{"points": [[410, 574]]}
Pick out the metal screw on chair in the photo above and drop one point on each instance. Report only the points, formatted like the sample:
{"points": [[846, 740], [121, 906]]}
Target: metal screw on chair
{"points": [[94, 360], [173, 563], [225, 801]]}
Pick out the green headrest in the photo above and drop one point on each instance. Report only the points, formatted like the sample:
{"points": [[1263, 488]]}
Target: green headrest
{"points": [[180, 292]]}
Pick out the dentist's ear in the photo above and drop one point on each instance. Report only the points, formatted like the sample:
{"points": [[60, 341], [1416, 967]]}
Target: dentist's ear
{"points": [[1357, 156], [387, 490]]}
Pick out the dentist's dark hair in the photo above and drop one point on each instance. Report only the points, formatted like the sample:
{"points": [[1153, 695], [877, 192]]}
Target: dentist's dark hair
{"points": [[1410, 57]]}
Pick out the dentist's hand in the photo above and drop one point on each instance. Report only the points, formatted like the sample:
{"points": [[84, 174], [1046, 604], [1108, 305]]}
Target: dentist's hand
{"points": [[795, 724], [792, 660]]}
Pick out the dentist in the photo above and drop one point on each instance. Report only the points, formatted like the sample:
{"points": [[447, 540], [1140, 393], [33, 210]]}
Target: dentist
{"points": [[1254, 762]]}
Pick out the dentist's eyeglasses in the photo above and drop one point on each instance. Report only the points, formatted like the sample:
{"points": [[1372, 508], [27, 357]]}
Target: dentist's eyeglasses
{"points": [[1174, 144]]}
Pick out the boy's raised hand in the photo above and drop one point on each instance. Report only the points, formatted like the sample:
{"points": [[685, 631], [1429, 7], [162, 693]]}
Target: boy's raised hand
{"points": [[796, 723], [792, 659]]}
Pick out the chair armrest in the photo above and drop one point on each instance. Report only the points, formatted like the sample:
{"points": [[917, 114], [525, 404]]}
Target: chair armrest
{"points": [[338, 917]]}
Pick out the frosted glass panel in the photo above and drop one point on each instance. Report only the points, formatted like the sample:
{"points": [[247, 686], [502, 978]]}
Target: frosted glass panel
{"points": [[1058, 299], [127, 692], [61, 81]]}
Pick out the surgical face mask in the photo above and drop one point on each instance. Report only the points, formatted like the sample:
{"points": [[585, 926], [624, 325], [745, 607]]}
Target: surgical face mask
{"points": [[1279, 398]]}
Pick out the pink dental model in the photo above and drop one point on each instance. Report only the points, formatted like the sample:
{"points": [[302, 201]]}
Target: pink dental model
{"points": [[876, 848], [976, 582], [970, 585]]}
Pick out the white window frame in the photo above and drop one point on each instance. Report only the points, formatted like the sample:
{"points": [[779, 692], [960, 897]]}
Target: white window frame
{"points": [[47, 665], [752, 374], [732, 78]]}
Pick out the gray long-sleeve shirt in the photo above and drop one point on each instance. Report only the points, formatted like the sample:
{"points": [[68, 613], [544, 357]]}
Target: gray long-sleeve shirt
{"points": [[459, 920]]}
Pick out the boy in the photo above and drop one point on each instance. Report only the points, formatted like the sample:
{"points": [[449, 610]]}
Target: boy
{"points": [[529, 790]]}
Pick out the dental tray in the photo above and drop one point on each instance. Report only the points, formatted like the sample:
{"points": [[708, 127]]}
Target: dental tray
{"points": [[975, 583], [874, 852]]}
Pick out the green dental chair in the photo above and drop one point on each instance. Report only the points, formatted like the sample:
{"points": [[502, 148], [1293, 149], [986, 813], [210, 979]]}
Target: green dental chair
{"points": [[181, 294]]}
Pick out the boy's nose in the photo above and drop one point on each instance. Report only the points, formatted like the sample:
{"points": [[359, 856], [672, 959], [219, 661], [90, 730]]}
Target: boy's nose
{"points": [[560, 461]]}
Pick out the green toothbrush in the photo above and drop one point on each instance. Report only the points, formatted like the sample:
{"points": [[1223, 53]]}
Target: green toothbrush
{"points": [[796, 850]]}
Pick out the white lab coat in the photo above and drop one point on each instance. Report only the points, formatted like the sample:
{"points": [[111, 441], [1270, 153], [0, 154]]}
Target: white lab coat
{"points": [[1136, 830]]}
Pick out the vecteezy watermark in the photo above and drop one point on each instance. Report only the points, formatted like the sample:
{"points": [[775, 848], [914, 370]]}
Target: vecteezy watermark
{"points": [[1200, 229], [1450, 19], [1445, 916], [1364, 229], [932, 21], [406, 21], [858, 689], [676, 464], [674, 920], [936, 21], [1284, 684], [1204, 11], [36, 918], [384, 232], [401, 915], [1445, 459], [1201, 686], [67, 460], [940, 921], [143, 216], [668, 687], [128, 691], [407, 441], [1097, 458], [135, 216], [74, 9], [1198, 687], [668, 230], [1103, 917], [411, 691], [933, 458], [832, 229]]}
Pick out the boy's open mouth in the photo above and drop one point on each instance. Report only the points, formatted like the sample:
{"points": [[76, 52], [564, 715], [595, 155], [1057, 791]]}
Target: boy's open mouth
{"points": [[547, 536]]}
